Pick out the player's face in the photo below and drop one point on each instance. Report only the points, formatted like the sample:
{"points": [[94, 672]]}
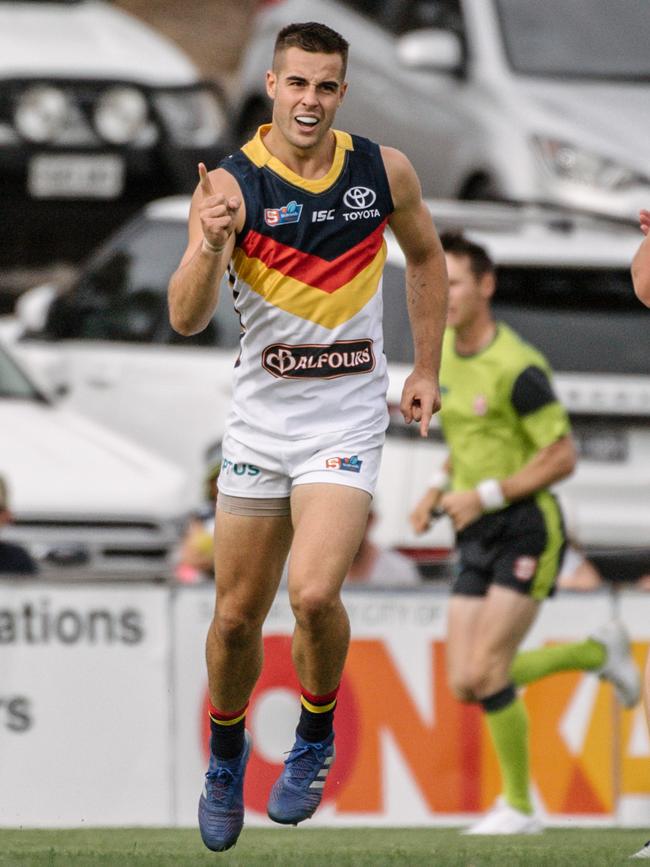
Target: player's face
{"points": [[466, 293], [306, 89]]}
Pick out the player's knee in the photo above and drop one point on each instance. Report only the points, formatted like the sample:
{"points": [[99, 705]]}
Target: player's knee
{"points": [[485, 679], [461, 687], [234, 627], [313, 605]]}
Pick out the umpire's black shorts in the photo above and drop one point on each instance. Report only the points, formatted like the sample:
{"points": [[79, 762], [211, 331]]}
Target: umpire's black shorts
{"points": [[520, 547]]}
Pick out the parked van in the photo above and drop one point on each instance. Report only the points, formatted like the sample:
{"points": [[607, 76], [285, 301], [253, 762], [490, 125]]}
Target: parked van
{"points": [[99, 114], [499, 99]]}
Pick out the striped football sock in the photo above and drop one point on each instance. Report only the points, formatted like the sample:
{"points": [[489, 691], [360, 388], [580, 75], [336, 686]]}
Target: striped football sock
{"points": [[316, 715], [227, 732]]}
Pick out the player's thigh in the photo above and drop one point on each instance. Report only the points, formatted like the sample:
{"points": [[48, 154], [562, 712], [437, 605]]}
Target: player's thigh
{"points": [[463, 616], [504, 620], [250, 553], [329, 522]]}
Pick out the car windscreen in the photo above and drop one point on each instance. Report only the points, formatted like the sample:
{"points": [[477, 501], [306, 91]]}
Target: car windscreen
{"points": [[121, 294], [13, 383], [577, 38], [584, 320]]}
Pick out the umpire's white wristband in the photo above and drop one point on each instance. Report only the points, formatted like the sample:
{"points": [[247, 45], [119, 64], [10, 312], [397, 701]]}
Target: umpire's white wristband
{"points": [[490, 494], [439, 480]]}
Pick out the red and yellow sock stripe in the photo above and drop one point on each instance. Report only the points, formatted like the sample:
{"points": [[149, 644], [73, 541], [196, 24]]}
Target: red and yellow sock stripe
{"points": [[318, 703], [227, 718]]}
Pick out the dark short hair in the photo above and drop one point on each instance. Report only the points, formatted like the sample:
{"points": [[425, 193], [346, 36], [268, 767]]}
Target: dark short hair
{"points": [[314, 37], [456, 244]]}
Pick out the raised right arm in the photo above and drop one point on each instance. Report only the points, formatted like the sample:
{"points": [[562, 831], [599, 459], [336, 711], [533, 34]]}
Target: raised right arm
{"points": [[216, 214]]}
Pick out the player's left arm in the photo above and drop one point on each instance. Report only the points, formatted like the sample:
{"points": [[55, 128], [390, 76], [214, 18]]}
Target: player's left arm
{"points": [[546, 424], [426, 287]]}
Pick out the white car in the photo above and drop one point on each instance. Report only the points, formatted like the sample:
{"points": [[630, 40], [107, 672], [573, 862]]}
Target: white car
{"points": [[97, 110], [510, 99], [563, 281], [87, 502]]}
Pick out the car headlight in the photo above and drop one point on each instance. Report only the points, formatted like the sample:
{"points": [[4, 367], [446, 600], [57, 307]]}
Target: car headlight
{"points": [[121, 115], [41, 113], [192, 118], [574, 163]]}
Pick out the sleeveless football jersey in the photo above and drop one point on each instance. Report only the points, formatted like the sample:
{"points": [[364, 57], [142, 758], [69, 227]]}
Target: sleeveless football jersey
{"points": [[306, 274]]}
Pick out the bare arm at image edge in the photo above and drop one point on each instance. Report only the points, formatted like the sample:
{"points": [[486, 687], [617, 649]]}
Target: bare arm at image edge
{"points": [[216, 214], [426, 287], [641, 262]]}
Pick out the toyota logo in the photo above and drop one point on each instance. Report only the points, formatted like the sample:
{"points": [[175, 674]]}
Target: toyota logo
{"points": [[359, 197]]}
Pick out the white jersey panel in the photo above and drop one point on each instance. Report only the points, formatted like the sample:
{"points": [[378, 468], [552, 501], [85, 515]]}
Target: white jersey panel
{"points": [[309, 379]]}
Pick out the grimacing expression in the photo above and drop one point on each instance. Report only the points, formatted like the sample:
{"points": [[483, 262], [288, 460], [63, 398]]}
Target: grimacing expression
{"points": [[468, 294], [307, 89]]}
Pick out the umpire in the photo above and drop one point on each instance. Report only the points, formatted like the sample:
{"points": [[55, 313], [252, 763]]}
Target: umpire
{"points": [[509, 439]]}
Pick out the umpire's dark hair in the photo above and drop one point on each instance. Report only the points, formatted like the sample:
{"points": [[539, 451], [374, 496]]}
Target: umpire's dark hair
{"points": [[457, 244], [314, 37]]}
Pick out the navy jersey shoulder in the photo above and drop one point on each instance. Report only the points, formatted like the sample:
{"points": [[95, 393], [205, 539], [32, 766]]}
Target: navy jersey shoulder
{"points": [[304, 215]]}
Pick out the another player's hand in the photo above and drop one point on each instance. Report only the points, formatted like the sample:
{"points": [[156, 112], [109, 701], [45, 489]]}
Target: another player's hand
{"points": [[420, 399], [463, 507], [422, 515], [217, 213], [644, 221]]}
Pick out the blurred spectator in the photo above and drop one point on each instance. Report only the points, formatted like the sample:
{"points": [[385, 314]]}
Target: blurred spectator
{"points": [[195, 561], [381, 567], [14, 559]]}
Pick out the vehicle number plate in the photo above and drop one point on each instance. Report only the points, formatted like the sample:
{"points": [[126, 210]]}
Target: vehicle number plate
{"points": [[75, 176]]}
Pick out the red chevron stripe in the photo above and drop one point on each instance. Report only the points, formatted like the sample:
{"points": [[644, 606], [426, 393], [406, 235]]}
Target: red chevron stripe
{"points": [[328, 275]]}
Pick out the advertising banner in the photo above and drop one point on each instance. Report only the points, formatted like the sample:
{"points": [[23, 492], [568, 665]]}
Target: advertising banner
{"points": [[84, 706], [103, 713], [407, 751]]}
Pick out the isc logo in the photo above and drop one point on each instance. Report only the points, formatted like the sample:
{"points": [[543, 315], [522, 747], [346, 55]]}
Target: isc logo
{"points": [[322, 216]]}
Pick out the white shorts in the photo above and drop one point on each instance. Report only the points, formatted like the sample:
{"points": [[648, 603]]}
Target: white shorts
{"points": [[258, 465]]}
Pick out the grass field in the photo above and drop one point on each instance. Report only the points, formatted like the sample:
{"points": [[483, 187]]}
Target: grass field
{"points": [[360, 847]]}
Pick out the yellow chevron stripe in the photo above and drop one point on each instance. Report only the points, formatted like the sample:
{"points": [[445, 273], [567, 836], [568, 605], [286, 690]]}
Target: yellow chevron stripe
{"points": [[228, 722], [258, 154], [316, 708], [307, 302]]}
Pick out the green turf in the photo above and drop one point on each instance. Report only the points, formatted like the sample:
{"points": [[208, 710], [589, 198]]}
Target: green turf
{"points": [[318, 847]]}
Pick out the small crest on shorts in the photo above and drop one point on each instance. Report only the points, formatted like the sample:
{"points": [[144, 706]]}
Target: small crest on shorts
{"points": [[351, 464], [524, 568]]}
